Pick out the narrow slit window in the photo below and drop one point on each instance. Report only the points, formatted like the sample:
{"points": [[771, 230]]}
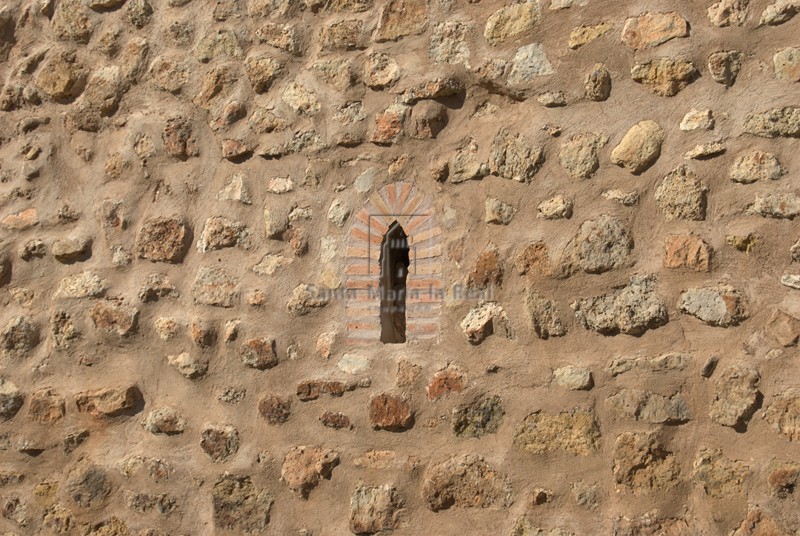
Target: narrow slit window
{"points": [[394, 271]]}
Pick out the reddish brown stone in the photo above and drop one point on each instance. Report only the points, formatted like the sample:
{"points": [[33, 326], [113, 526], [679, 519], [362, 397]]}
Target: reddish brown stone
{"points": [[219, 443], [163, 240], [178, 139], [21, 220], [390, 412], [687, 251], [203, 334], [46, 406], [389, 124], [758, 523], [488, 270], [335, 420], [259, 353], [304, 467], [115, 317], [446, 381], [783, 481], [312, 389], [275, 409], [109, 402]]}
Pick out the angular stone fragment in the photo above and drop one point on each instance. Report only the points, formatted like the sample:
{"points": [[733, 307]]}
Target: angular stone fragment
{"points": [[724, 66], [262, 72], [575, 431], [18, 338], [388, 126], [342, 35], [478, 418], [736, 396], [585, 34], [511, 21], [498, 212], [573, 378], [597, 84], [728, 12], [239, 506], [756, 165], [374, 509], [665, 76], [220, 232], [642, 463], [336, 420], [189, 365], [465, 164], [139, 12], [428, 119], [777, 205], [465, 481], [390, 412], [687, 251], [88, 485], [543, 315], [639, 148], [108, 402], [304, 468], [682, 195], [697, 120], [301, 100], [116, 317], [484, 320], [72, 21], [275, 409], [215, 286], [305, 299], [166, 420], [631, 310], [163, 240], [652, 29], [83, 285], [791, 281], [219, 442], [47, 406], [380, 71], [718, 475], [774, 123], [259, 353], [448, 43], [62, 78], [515, 157], [401, 18], [601, 244], [71, 249], [784, 415], [627, 199], [529, 62], [705, 151], [642, 405], [787, 64], [672, 361], [533, 257], [783, 480], [578, 155], [11, 399], [720, 305], [19, 221], [779, 12], [555, 208], [757, 522]]}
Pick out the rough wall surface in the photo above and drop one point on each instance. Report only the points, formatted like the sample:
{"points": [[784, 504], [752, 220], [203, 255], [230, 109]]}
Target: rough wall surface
{"points": [[613, 191]]}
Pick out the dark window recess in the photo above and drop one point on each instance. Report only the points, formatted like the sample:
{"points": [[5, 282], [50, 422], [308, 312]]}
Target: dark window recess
{"points": [[394, 270]]}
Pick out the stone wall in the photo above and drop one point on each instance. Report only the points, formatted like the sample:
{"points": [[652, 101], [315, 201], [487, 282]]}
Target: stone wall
{"points": [[609, 340]]}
